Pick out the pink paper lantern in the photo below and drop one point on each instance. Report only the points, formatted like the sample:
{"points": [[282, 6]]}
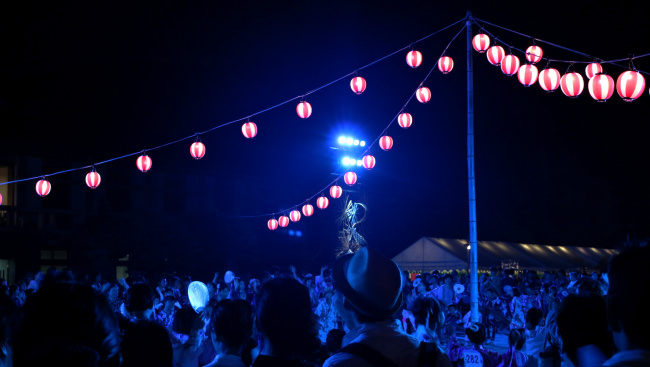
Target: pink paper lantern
{"points": [[510, 65], [549, 79], [322, 202], [386, 142], [249, 130], [294, 215], [43, 187], [272, 224], [143, 163], [358, 84], [572, 84], [593, 69], [445, 64], [308, 210], [0, 199], [336, 191], [534, 54], [197, 150], [423, 94], [601, 87], [630, 85], [414, 58], [369, 161], [405, 120], [350, 178], [283, 221], [93, 179], [481, 42], [495, 54], [527, 75], [303, 109]]}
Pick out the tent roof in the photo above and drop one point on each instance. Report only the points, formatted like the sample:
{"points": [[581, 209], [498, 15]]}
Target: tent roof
{"points": [[429, 253]]}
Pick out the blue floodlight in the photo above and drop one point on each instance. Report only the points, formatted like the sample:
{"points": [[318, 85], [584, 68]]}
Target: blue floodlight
{"points": [[349, 141], [356, 141], [298, 233], [362, 143], [291, 232], [346, 161], [341, 140], [352, 162], [359, 163]]}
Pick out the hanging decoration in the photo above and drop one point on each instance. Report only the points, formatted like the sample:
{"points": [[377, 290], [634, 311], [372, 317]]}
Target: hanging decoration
{"points": [[272, 224], [386, 142], [601, 87], [549, 79], [445, 64], [0, 199], [358, 84], [593, 69], [414, 58], [630, 85], [322, 202], [423, 94], [405, 120], [308, 210], [303, 109], [495, 54], [143, 163], [93, 179], [197, 150], [336, 191], [350, 178], [572, 84], [283, 221], [249, 130], [294, 215], [481, 42], [369, 161], [43, 187], [510, 65], [527, 75], [534, 54]]}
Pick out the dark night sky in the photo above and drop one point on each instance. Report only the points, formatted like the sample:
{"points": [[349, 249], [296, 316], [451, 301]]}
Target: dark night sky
{"points": [[103, 79]]}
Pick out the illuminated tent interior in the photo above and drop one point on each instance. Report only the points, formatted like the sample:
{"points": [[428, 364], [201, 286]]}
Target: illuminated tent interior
{"points": [[429, 253]]}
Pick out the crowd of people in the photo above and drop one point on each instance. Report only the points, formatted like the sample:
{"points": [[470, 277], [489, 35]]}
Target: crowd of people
{"points": [[363, 311]]}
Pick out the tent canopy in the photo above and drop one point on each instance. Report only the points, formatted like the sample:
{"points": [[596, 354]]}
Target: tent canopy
{"points": [[429, 253]]}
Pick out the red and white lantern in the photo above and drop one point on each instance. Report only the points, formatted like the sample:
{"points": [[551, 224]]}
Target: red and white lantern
{"points": [[445, 64], [414, 58], [423, 94], [143, 163], [308, 210], [534, 54], [303, 109], [527, 75], [549, 79], [510, 65], [283, 221], [249, 130], [350, 178], [294, 215], [369, 161], [481, 42], [336, 191], [601, 87], [495, 54], [630, 85], [593, 69], [43, 187], [197, 150], [322, 202], [358, 84], [405, 120], [386, 142], [572, 84], [272, 224], [93, 179]]}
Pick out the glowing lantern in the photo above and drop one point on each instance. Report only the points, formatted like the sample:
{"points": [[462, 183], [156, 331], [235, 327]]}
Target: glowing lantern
{"points": [[272, 224], [358, 85], [369, 162], [445, 64], [0, 199], [495, 54], [294, 215], [405, 120], [386, 142], [630, 85], [249, 130], [322, 202], [283, 221], [336, 191], [93, 179], [307, 210], [481, 42], [527, 75], [414, 59], [572, 84], [350, 178], [197, 293], [43, 187], [534, 54], [144, 163], [549, 79], [601, 87], [303, 109], [197, 150], [593, 69], [423, 94], [510, 65]]}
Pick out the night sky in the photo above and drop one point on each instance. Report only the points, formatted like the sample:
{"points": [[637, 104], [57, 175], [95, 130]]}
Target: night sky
{"points": [[96, 80]]}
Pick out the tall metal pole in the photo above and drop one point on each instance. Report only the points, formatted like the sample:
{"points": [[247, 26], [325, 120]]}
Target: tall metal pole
{"points": [[473, 277]]}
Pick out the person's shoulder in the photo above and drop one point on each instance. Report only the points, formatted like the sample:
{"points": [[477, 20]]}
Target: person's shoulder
{"points": [[343, 359]]}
